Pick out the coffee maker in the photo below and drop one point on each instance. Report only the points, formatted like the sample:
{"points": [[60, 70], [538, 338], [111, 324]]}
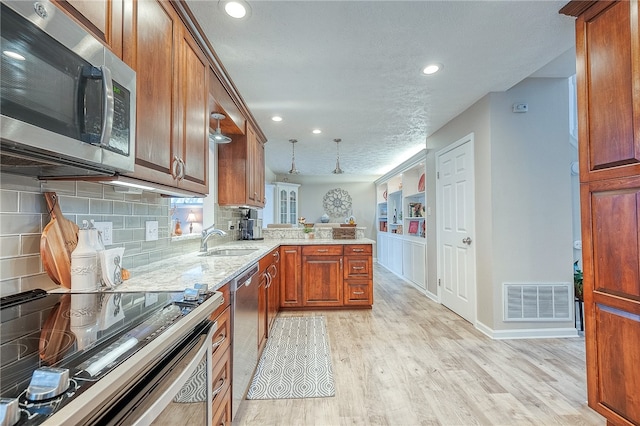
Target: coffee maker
{"points": [[248, 225]]}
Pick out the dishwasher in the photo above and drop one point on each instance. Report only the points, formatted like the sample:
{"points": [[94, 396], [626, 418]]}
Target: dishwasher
{"points": [[244, 296]]}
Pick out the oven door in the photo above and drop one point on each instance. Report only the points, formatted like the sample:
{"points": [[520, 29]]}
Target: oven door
{"points": [[177, 391]]}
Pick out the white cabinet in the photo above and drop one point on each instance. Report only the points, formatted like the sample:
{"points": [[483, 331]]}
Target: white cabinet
{"points": [[395, 254], [286, 203], [414, 260], [401, 220]]}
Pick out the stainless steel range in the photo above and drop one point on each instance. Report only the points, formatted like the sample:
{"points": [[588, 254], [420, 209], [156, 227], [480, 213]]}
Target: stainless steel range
{"points": [[102, 358]]}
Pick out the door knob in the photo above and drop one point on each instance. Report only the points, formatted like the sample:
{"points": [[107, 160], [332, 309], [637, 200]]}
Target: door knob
{"points": [[467, 241]]}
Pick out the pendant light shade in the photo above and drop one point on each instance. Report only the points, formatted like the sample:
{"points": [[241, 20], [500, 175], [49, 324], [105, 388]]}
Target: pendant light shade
{"points": [[217, 136], [337, 170], [294, 170]]}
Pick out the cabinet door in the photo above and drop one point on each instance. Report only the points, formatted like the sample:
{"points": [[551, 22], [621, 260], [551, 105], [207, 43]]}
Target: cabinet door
{"points": [[103, 18], [192, 147], [152, 54], [608, 43], [322, 280], [290, 277], [273, 291], [608, 79], [262, 310]]}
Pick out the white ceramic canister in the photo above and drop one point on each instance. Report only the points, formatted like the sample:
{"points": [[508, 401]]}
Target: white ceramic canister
{"points": [[84, 264], [96, 243]]}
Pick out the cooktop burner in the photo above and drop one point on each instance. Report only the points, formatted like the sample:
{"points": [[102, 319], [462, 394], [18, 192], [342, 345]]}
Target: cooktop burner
{"points": [[54, 346]]}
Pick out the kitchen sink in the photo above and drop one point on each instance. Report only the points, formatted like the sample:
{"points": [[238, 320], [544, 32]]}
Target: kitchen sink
{"points": [[230, 252]]}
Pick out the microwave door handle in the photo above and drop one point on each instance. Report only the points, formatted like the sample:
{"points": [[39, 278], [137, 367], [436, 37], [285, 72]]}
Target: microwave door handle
{"points": [[107, 106]]}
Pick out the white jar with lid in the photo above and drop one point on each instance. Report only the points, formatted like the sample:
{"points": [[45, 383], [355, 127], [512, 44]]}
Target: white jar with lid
{"points": [[84, 263]]}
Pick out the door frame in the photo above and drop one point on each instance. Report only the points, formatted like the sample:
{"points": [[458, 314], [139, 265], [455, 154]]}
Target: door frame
{"points": [[470, 138]]}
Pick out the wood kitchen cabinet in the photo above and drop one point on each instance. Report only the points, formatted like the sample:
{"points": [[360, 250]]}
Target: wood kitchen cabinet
{"points": [[322, 275], [290, 277], [221, 358], [608, 86], [241, 170], [358, 275], [273, 291], [103, 18], [172, 144]]}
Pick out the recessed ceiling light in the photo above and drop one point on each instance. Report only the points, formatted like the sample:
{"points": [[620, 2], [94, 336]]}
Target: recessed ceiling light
{"points": [[236, 9], [276, 118], [13, 55], [316, 131], [431, 69]]}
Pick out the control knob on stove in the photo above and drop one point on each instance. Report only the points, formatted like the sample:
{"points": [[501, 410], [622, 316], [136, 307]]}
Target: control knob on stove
{"points": [[202, 288], [190, 295], [9, 411], [48, 382]]}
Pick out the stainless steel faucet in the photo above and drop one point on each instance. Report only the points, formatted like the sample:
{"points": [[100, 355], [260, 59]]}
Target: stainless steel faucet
{"points": [[207, 233]]}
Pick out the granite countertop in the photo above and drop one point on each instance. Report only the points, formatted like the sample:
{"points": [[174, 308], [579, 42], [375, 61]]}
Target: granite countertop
{"points": [[185, 271]]}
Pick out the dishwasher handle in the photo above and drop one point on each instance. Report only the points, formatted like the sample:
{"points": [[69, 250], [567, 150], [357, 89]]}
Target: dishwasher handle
{"points": [[246, 277]]}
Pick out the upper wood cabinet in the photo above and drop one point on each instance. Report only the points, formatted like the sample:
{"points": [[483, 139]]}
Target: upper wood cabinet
{"points": [[103, 18], [172, 98], [608, 81], [608, 47], [241, 170]]}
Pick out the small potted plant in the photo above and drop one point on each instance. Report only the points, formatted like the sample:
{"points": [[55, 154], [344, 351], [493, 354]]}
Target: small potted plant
{"points": [[577, 281], [308, 231]]}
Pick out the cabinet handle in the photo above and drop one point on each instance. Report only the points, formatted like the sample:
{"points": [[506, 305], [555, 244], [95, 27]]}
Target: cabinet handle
{"points": [[357, 250], [267, 277], [277, 256], [218, 342], [340, 263], [174, 167], [217, 390], [322, 250], [358, 292], [290, 251], [357, 267], [183, 168]]}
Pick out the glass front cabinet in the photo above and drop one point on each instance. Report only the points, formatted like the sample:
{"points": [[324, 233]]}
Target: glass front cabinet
{"points": [[286, 204]]}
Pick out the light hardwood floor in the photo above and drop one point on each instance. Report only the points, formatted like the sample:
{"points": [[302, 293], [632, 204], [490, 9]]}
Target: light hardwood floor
{"points": [[410, 361]]}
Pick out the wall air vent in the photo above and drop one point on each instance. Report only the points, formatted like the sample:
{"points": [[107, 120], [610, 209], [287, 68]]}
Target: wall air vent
{"points": [[537, 302]]}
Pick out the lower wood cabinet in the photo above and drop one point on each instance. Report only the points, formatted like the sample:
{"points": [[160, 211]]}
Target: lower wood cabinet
{"points": [[324, 276], [221, 360], [290, 277]]}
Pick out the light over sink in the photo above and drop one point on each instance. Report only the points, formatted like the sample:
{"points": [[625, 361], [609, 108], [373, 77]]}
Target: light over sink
{"points": [[229, 252]]}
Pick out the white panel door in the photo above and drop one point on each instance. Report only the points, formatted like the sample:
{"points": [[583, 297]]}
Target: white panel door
{"points": [[456, 228]]}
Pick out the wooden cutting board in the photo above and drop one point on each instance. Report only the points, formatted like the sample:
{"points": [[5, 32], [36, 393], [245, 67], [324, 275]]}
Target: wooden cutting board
{"points": [[58, 240]]}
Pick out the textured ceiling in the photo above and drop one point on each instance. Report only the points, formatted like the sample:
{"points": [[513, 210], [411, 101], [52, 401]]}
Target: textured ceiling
{"points": [[353, 70]]}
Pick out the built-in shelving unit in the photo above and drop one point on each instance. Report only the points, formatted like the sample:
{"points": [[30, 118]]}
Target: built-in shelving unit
{"points": [[401, 217]]}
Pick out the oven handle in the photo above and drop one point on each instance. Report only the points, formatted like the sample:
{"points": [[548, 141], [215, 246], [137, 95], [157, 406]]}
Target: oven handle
{"points": [[170, 386]]}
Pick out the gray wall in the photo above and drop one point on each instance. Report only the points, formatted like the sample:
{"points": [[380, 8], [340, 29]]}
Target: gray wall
{"points": [[523, 193]]}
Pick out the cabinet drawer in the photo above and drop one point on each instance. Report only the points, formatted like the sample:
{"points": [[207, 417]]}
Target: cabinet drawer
{"points": [[226, 295], [332, 250], [222, 337], [357, 267], [358, 293], [222, 415], [221, 379], [357, 249]]}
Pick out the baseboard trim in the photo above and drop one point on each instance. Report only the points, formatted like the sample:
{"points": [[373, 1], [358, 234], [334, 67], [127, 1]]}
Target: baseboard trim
{"points": [[527, 333]]}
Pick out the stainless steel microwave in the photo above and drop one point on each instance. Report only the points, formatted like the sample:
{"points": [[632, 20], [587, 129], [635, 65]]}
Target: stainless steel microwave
{"points": [[68, 104]]}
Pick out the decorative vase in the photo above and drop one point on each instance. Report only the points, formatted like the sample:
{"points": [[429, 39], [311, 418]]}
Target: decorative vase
{"points": [[84, 264], [178, 230], [324, 218]]}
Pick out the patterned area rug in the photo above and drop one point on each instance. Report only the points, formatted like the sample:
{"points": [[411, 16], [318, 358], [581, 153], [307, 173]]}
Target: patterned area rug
{"points": [[296, 362]]}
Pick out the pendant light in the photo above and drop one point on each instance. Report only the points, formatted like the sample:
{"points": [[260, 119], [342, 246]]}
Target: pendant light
{"points": [[337, 170], [217, 136], [293, 170]]}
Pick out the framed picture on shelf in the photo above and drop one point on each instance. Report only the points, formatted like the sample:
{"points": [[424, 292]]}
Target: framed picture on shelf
{"points": [[416, 210], [413, 227]]}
